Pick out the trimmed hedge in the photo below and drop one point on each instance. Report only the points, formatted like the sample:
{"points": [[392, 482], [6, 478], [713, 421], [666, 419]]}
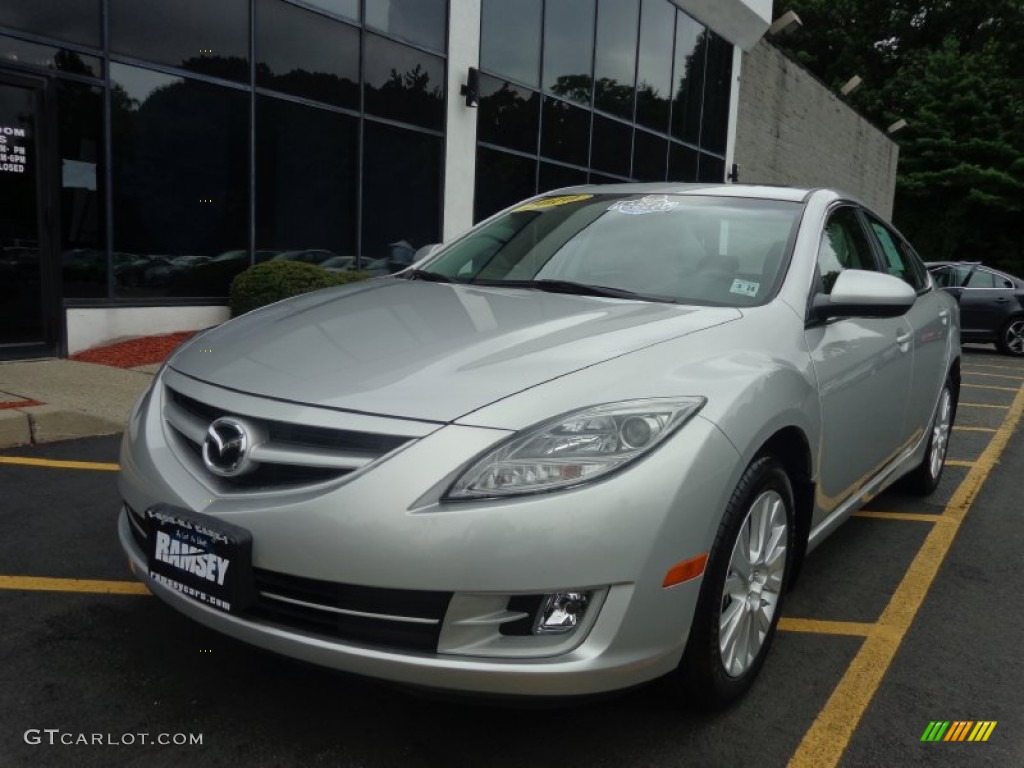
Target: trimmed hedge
{"points": [[272, 281]]}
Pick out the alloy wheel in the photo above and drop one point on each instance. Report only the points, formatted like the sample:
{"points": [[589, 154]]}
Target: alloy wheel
{"points": [[1013, 337], [940, 433]]}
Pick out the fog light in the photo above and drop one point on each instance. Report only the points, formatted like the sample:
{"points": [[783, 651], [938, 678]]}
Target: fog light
{"points": [[561, 612]]}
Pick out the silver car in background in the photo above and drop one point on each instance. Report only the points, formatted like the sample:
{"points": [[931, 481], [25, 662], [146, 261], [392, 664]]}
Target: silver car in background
{"points": [[583, 446]]}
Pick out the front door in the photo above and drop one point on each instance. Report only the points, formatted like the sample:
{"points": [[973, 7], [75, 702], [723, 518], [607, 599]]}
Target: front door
{"points": [[27, 304]]}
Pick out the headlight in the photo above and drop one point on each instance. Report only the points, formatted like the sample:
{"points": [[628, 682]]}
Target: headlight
{"points": [[574, 448]]}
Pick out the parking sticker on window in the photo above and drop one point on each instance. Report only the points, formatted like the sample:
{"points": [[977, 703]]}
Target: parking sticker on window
{"points": [[648, 204], [745, 287], [551, 202]]}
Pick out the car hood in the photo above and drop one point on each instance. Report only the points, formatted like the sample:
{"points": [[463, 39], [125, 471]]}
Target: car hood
{"points": [[430, 351]]}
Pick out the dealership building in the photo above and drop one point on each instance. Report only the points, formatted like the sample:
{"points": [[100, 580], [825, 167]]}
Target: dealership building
{"points": [[152, 149]]}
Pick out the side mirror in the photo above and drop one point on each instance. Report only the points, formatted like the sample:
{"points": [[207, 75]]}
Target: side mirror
{"points": [[860, 293]]}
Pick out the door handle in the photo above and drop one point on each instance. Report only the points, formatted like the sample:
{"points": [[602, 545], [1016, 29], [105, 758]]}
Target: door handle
{"points": [[1002, 300], [903, 340], [944, 316]]}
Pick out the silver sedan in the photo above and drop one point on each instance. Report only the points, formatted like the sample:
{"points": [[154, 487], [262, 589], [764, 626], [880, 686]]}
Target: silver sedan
{"points": [[583, 446]]}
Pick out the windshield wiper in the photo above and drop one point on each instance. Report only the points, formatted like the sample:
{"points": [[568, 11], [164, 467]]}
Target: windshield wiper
{"points": [[422, 274], [584, 289]]}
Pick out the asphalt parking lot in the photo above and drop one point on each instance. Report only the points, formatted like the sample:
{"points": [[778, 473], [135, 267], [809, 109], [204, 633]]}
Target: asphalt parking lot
{"points": [[913, 612]]}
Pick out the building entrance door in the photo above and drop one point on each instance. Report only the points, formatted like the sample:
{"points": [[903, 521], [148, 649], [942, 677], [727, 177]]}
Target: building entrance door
{"points": [[27, 298]]}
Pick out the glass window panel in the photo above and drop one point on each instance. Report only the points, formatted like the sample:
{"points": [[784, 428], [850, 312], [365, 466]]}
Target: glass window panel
{"points": [[555, 176], [650, 157], [403, 83], [80, 141], [420, 21], [510, 39], [306, 181], [600, 178], [180, 184], [565, 132], [50, 57], [615, 61], [401, 192], [569, 49], [501, 180], [612, 146], [711, 169], [198, 35], [507, 115], [682, 163], [689, 78], [654, 78], [305, 54], [77, 21], [347, 8], [717, 83]]}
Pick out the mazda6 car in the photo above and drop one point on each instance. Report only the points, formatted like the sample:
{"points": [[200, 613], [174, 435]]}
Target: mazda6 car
{"points": [[583, 446], [991, 303]]}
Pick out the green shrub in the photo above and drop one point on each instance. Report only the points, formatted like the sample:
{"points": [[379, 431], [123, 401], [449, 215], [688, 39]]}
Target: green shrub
{"points": [[272, 281]]}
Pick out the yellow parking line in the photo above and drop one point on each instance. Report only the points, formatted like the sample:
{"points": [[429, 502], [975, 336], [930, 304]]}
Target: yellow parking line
{"points": [[911, 516], [41, 584], [990, 386], [979, 405], [994, 375], [53, 463], [996, 367], [959, 463], [826, 740], [816, 626], [974, 429]]}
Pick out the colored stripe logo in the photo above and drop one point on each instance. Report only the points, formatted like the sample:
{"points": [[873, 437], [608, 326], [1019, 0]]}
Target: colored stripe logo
{"points": [[958, 730]]}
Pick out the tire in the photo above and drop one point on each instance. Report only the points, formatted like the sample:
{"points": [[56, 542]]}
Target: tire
{"points": [[1011, 337], [924, 478], [740, 602]]}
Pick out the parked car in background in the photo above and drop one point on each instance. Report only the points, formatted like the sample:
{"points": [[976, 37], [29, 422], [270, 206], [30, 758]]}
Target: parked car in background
{"points": [[583, 446], [991, 303]]}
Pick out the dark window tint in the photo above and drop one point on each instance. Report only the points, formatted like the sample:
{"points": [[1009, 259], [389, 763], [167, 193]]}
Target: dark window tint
{"points": [[510, 39], [615, 61], [565, 133], [507, 115], [612, 146], [180, 183], [346, 8], [843, 246], [306, 172], [403, 83], [897, 262], [654, 74], [711, 168], [203, 36], [650, 156], [944, 277], [420, 21], [569, 49], [501, 180], [49, 57], [688, 77], [80, 139], [554, 176], [715, 116], [600, 178], [306, 54], [401, 191], [77, 21], [682, 163]]}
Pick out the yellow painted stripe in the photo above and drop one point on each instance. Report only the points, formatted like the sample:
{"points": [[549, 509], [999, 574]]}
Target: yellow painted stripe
{"points": [[993, 375], [962, 404], [55, 464], [988, 731], [990, 386], [826, 740], [41, 584], [917, 517], [959, 463], [816, 626], [978, 728], [994, 367], [973, 429]]}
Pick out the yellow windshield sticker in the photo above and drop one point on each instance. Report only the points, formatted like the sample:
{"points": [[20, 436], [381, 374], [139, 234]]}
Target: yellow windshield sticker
{"points": [[551, 202]]}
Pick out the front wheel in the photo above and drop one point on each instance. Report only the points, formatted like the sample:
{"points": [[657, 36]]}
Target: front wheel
{"points": [[924, 479], [741, 597], [1011, 338]]}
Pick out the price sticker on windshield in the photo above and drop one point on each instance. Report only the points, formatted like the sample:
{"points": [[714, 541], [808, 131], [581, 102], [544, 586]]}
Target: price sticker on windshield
{"points": [[745, 288]]}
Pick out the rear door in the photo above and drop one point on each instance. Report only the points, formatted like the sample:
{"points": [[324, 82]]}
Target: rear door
{"points": [[986, 301]]}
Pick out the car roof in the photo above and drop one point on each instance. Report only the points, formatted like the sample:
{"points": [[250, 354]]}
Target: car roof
{"points": [[762, 191]]}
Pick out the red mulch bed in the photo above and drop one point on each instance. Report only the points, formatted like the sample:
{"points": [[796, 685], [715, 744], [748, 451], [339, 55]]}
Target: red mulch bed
{"points": [[128, 354]]}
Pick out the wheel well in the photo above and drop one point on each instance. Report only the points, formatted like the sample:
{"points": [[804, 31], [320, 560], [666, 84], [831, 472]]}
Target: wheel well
{"points": [[792, 449], [954, 378]]}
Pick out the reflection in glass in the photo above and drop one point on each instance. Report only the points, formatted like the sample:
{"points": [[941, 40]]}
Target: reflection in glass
{"points": [[650, 156], [689, 78], [306, 182], [718, 81], [306, 54], [682, 163], [77, 21], [347, 8], [202, 36], [510, 39], [401, 193], [612, 146], [654, 78], [180, 184], [501, 180], [615, 60], [507, 115], [569, 48], [553, 176], [711, 168], [80, 140], [403, 83], [50, 57], [420, 21], [565, 132]]}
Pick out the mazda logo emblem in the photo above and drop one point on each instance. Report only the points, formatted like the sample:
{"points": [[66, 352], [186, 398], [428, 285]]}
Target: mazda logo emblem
{"points": [[226, 448]]}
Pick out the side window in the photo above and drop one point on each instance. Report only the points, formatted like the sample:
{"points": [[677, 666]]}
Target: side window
{"points": [[898, 262], [981, 278], [945, 277], [843, 246]]}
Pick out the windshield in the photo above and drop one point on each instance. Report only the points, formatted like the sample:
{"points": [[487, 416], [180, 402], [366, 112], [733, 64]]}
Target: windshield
{"points": [[689, 249]]}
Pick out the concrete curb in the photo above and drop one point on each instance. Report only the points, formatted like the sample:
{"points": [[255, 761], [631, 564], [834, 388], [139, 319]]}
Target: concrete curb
{"points": [[50, 423]]}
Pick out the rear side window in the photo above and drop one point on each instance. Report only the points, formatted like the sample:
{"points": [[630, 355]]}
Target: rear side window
{"points": [[843, 246], [981, 279], [897, 257]]}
